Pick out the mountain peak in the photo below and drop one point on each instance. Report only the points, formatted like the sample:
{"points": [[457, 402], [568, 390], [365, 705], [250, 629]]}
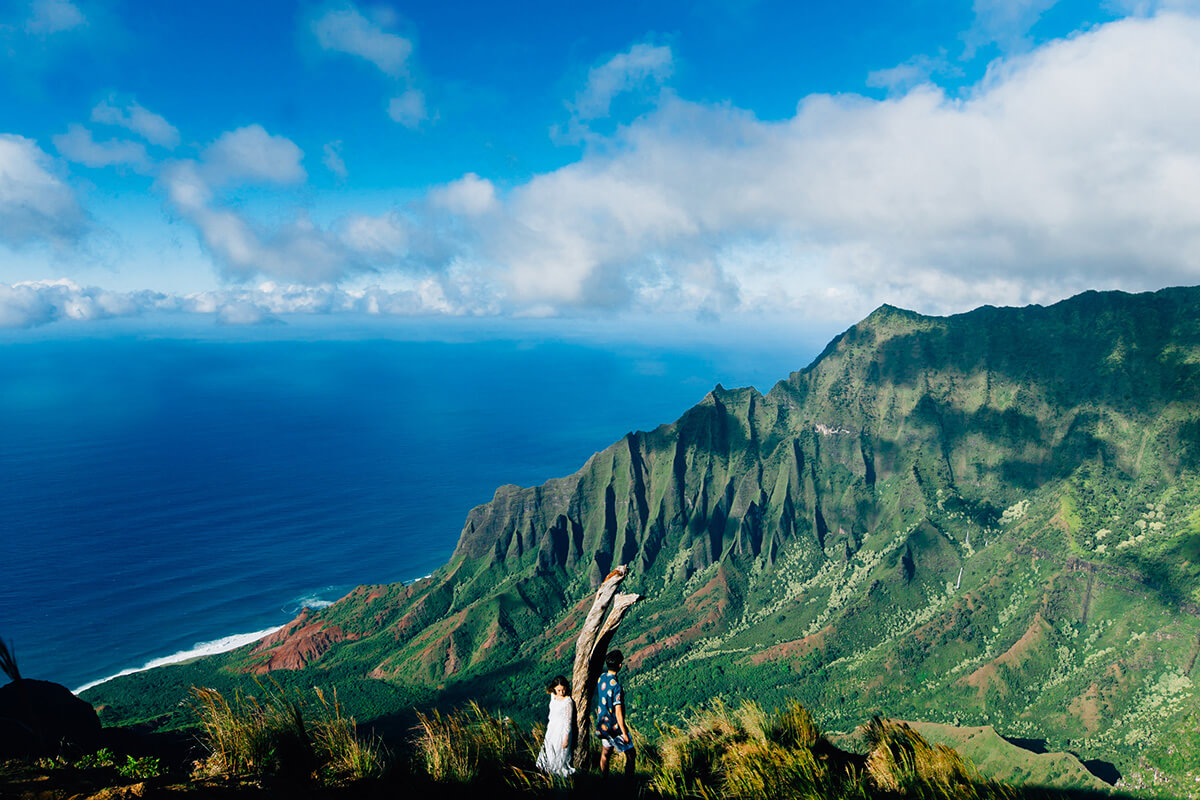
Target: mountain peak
{"points": [[889, 318]]}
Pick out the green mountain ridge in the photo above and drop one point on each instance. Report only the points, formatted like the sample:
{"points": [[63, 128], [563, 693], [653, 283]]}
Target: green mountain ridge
{"points": [[991, 518]]}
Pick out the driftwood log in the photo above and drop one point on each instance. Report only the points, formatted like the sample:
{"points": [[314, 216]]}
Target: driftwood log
{"points": [[608, 609]]}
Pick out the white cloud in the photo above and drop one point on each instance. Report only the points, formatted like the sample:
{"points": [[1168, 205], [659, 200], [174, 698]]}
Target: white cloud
{"points": [[1005, 23], [32, 303], [408, 109], [469, 196], [1146, 8], [641, 65], [382, 237], [78, 145], [152, 127], [333, 159], [913, 72], [297, 250], [1070, 167], [252, 155], [242, 312], [35, 203], [53, 16], [346, 30]]}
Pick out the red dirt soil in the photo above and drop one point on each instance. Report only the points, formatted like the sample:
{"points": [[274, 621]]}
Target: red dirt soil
{"points": [[296, 644]]}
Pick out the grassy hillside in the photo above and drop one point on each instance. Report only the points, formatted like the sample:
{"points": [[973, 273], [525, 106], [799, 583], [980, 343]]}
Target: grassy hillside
{"points": [[998, 759], [985, 519]]}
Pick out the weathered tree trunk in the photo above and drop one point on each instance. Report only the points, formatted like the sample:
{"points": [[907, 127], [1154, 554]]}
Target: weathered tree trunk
{"points": [[608, 609]]}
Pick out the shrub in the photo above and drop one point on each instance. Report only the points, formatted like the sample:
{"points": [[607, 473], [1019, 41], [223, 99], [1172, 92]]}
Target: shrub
{"points": [[140, 768], [101, 758]]}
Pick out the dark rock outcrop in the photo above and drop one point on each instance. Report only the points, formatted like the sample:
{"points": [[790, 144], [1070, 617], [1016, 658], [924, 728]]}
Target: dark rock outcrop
{"points": [[39, 718]]}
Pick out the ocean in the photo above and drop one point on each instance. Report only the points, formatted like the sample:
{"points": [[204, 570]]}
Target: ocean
{"points": [[169, 495]]}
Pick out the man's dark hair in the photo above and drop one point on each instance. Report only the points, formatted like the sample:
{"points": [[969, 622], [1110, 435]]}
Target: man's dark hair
{"points": [[613, 660]]}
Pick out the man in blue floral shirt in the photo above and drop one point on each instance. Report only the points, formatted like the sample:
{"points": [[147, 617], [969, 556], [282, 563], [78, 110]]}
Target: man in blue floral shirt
{"points": [[610, 716]]}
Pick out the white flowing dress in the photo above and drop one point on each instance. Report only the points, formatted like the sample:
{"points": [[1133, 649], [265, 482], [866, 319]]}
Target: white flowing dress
{"points": [[554, 758]]}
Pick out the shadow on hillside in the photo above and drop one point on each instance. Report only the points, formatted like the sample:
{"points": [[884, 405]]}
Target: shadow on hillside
{"points": [[1104, 770], [396, 728], [1036, 746]]}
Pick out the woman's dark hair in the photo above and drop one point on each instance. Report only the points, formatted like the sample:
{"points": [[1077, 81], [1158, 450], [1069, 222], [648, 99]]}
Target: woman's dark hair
{"points": [[559, 680], [613, 660]]}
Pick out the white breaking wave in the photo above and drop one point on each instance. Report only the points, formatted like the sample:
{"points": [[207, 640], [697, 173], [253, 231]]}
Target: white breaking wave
{"points": [[223, 645], [314, 602]]}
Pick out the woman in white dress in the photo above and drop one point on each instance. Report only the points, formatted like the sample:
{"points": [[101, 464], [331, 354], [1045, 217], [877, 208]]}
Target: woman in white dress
{"points": [[555, 757]]}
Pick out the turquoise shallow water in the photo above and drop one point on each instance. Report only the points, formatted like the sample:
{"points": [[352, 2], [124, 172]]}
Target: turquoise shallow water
{"points": [[161, 494]]}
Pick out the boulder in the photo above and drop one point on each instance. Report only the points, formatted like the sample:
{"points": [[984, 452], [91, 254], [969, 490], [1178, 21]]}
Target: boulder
{"points": [[39, 718]]}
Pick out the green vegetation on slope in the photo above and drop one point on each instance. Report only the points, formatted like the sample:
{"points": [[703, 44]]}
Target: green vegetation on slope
{"points": [[1002, 761], [984, 519]]}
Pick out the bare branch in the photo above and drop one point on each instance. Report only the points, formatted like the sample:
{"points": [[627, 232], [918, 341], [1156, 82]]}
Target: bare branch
{"points": [[608, 609]]}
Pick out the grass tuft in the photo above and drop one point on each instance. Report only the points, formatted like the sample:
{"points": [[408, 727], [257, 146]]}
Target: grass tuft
{"points": [[336, 738], [274, 738], [8, 661], [470, 744], [901, 761], [742, 753]]}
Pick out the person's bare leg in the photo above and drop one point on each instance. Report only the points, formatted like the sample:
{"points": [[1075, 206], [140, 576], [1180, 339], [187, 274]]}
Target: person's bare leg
{"points": [[630, 762], [604, 754]]}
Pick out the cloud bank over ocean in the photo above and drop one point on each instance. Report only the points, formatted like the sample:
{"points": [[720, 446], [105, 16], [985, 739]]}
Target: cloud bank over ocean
{"points": [[32, 303]]}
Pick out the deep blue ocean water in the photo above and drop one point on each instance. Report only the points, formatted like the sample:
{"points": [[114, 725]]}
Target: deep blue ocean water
{"points": [[160, 494]]}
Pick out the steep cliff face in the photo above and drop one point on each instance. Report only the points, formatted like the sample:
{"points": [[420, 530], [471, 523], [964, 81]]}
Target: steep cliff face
{"points": [[990, 517], [899, 417]]}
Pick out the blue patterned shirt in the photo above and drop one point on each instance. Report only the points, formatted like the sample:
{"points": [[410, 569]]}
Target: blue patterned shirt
{"points": [[609, 695]]}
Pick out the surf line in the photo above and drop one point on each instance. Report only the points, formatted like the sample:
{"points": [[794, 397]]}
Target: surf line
{"points": [[222, 645]]}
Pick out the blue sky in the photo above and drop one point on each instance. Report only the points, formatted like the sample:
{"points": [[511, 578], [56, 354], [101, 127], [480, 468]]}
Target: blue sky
{"points": [[709, 161]]}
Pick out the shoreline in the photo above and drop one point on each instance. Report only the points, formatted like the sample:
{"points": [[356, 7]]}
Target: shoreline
{"points": [[198, 650], [222, 645]]}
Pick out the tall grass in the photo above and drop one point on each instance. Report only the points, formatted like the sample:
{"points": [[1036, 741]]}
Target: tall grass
{"points": [[335, 737], [745, 753], [8, 661], [469, 744], [742, 753], [275, 737], [901, 761]]}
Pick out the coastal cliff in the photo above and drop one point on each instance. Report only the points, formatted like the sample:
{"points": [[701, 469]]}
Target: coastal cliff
{"points": [[985, 519]]}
